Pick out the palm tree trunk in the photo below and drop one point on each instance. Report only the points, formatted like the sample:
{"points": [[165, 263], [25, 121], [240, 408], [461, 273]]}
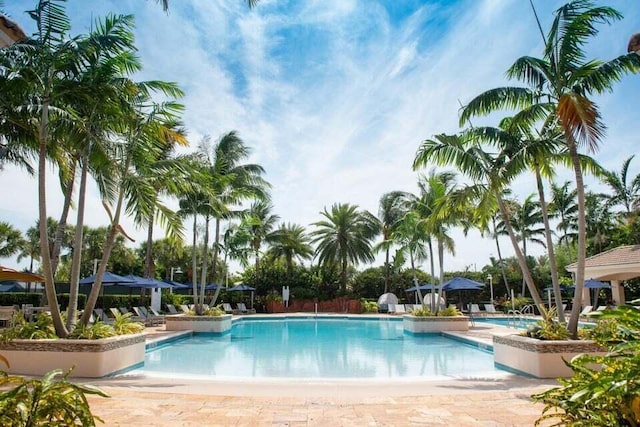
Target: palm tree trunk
{"points": [[149, 268], [502, 269], [106, 253], [62, 223], [74, 276], [343, 275], [524, 252], [441, 260], [194, 260], [386, 271], [205, 264], [552, 256], [215, 263], [415, 277], [566, 239], [521, 260], [581, 256], [434, 305], [47, 271]]}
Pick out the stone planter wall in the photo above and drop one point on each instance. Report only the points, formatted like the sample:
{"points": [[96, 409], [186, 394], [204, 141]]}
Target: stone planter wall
{"points": [[537, 358], [434, 324], [91, 358], [217, 324]]}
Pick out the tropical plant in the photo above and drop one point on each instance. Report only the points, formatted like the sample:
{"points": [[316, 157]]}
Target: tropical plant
{"points": [[392, 208], [49, 401], [11, 240], [344, 237], [603, 389], [449, 311], [548, 328], [565, 207], [412, 237], [290, 241], [369, 306], [559, 86]]}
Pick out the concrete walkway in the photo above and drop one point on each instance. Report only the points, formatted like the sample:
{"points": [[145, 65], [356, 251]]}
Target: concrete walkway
{"points": [[504, 400]]}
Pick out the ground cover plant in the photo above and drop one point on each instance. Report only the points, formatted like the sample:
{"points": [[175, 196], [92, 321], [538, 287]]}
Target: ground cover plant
{"points": [[604, 390]]}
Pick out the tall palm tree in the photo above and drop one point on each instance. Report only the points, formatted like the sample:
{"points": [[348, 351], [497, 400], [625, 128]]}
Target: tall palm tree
{"points": [[490, 173], [560, 84], [259, 222], [411, 235], [624, 193], [392, 207], [564, 206], [11, 240], [526, 218], [290, 241], [344, 237]]}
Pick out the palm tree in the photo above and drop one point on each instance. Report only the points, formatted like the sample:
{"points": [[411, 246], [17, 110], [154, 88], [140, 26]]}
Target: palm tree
{"points": [[490, 174], [565, 206], [392, 207], [11, 240], [165, 4], [624, 193], [411, 235], [290, 241], [525, 218], [259, 222], [344, 237], [560, 84]]}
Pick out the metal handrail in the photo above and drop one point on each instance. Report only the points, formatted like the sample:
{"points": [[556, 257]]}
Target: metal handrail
{"points": [[513, 318], [528, 310]]}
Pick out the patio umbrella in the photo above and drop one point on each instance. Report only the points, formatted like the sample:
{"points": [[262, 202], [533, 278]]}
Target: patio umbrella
{"points": [[462, 284], [596, 284], [146, 282], [107, 279], [22, 276], [242, 287]]}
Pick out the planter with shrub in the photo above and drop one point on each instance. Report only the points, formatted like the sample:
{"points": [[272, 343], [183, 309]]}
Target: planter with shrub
{"points": [[32, 348], [213, 320], [423, 321]]}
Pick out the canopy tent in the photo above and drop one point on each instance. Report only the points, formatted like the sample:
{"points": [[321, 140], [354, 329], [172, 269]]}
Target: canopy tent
{"points": [[21, 276], [241, 287]]}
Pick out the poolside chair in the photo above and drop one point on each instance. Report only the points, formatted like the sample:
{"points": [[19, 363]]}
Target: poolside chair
{"points": [[400, 309], [416, 307], [391, 308], [172, 309], [142, 314], [244, 310], [184, 308], [227, 308], [490, 309], [102, 316], [474, 309], [586, 309], [152, 315], [6, 315], [601, 308], [123, 310]]}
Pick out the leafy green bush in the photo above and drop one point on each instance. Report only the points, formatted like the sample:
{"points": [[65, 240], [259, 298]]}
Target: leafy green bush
{"points": [[422, 312], [46, 402], [42, 328], [123, 325], [19, 298], [214, 311], [369, 306], [449, 311], [548, 328], [98, 330], [604, 390]]}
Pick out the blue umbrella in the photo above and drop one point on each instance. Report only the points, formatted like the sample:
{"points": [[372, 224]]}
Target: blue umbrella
{"points": [[563, 288], [146, 282], [241, 287], [209, 287], [461, 284], [596, 284], [107, 279], [423, 287], [176, 285]]}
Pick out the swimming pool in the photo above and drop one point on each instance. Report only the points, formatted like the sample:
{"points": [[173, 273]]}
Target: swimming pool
{"points": [[519, 323], [318, 348]]}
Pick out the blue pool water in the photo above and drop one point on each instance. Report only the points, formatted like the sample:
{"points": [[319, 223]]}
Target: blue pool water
{"points": [[503, 321], [318, 348]]}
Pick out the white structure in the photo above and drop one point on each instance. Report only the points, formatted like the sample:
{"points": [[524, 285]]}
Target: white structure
{"points": [[10, 32], [615, 266]]}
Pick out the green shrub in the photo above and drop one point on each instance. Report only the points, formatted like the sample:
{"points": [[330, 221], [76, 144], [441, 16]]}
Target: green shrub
{"points": [[19, 298], [369, 306], [548, 328], [96, 331], [214, 311], [42, 328], [449, 311], [603, 390], [47, 401], [422, 312]]}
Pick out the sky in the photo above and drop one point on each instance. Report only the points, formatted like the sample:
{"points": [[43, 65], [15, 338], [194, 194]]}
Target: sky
{"points": [[335, 96]]}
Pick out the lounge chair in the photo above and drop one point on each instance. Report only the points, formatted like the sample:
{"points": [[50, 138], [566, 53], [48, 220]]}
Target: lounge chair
{"points": [[244, 310], [400, 309], [141, 313], [601, 308], [153, 315], [227, 308], [391, 308], [172, 309], [184, 308], [586, 309], [474, 309], [102, 316], [123, 311], [416, 307], [490, 309], [6, 315]]}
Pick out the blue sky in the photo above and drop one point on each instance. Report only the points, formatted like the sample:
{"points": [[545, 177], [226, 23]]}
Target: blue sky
{"points": [[335, 96]]}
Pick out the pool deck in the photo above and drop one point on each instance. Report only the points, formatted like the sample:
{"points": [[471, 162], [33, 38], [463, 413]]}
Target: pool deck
{"points": [[503, 400]]}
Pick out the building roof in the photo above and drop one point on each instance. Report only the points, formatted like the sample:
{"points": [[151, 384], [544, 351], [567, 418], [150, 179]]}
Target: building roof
{"points": [[10, 32], [621, 263]]}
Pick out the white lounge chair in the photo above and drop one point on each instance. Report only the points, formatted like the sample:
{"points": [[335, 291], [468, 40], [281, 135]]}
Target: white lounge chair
{"points": [[474, 309], [490, 309], [228, 309], [172, 309], [244, 310], [586, 309], [400, 309], [417, 307]]}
